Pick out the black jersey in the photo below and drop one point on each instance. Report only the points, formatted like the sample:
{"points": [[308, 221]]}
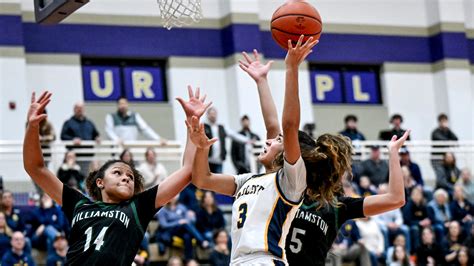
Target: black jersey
{"points": [[313, 231], [106, 234]]}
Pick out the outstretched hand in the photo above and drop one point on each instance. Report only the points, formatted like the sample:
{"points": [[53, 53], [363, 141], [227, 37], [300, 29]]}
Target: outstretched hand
{"points": [[395, 144], [196, 105], [254, 67], [298, 54], [197, 134], [36, 111]]}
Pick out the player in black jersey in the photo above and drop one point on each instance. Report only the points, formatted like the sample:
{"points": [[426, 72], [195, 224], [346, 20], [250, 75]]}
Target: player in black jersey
{"points": [[315, 228], [316, 225], [107, 230]]}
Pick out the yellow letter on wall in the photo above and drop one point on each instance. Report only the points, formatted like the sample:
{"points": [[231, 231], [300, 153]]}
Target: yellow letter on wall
{"points": [[102, 92], [324, 83], [142, 82], [359, 95]]}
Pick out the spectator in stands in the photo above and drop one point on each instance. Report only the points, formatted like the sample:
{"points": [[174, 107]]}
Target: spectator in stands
{"points": [[124, 125], [46, 132], [143, 253], [447, 173], [192, 262], [218, 151], [175, 261], [58, 257], [350, 189], [348, 248], [466, 182], [78, 127], [365, 187], [176, 220], [241, 153], [469, 243], [70, 172], [94, 166], [15, 218], [439, 213], [47, 222], [454, 242], [400, 257], [430, 252], [127, 156], [375, 168], [191, 197], [351, 130], [371, 237], [391, 223], [209, 217], [408, 180], [398, 241], [462, 210], [152, 171], [396, 120], [5, 235], [220, 255], [463, 258], [17, 254], [415, 171], [442, 132], [415, 215]]}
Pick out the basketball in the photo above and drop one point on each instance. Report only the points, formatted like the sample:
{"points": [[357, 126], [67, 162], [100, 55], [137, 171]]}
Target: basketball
{"points": [[293, 19]]}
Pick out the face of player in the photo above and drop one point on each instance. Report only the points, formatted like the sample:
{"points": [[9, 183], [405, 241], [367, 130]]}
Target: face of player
{"points": [[123, 106], [18, 241], [270, 151], [118, 182]]}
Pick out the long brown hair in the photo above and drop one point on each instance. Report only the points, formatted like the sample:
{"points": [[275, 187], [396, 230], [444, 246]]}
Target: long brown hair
{"points": [[95, 191]]}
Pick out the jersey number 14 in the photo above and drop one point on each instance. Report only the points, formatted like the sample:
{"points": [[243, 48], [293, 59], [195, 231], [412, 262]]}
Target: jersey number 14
{"points": [[99, 240]]}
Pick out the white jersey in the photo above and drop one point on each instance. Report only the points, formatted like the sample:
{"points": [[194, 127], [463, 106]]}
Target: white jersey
{"points": [[263, 210]]}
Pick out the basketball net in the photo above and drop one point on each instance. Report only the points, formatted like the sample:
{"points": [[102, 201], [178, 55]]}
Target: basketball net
{"points": [[177, 13]]}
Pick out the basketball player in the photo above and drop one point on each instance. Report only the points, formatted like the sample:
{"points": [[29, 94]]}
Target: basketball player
{"points": [[108, 229], [266, 204], [314, 229]]}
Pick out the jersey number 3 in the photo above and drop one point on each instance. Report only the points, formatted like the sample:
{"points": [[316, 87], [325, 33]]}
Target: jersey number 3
{"points": [[242, 215], [98, 242]]}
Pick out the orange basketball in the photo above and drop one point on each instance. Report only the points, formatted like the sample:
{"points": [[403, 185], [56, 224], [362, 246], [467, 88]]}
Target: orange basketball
{"points": [[293, 19]]}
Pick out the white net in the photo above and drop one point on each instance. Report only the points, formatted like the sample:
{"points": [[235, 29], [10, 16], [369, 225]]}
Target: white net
{"points": [[176, 13]]}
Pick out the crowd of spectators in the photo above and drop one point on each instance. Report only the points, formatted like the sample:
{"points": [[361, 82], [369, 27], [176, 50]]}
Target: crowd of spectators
{"points": [[435, 227]]}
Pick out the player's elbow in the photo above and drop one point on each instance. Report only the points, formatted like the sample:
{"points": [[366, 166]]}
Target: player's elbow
{"points": [[200, 181], [289, 124]]}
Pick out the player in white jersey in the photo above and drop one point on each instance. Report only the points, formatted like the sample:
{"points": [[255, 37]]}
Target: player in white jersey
{"points": [[265, 204]]}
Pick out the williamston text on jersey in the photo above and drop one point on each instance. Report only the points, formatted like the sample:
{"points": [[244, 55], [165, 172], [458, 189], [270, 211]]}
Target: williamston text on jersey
{"points": [[313, 218], [110, 214]]}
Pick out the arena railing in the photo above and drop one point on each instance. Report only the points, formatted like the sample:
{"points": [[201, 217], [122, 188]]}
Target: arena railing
{"points": [[16, 179]]}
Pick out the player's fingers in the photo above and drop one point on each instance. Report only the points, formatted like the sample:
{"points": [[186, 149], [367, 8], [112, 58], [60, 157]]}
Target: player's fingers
{"points": [[256, 55], [42, 97], [270, 63], [308, 41], [212, 141], [243, 63], [33, 96], [207, 106], [247, 57], [198, 93], [204, 98], [190, 92], [300, 41], [290, 46]]}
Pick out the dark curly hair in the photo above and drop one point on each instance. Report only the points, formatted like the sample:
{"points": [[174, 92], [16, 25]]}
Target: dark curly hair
{"points": [[326, 160], [95, 192]]}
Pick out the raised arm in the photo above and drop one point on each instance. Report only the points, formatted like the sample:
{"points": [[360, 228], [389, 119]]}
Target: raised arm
{"points": [[291, 107], [202, 176], [177, 181], [33, 161], [395, 197], [258, 72]]}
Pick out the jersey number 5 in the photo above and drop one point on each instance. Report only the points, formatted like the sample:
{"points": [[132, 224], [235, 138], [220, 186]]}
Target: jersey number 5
{"points": [[99, 241], [296, 243], [242, 215]]}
